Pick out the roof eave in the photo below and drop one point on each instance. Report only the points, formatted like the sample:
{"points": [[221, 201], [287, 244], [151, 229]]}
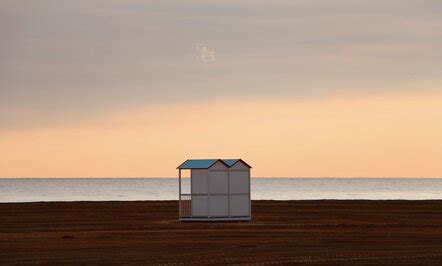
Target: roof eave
{"points": [[241, 160], [179, 166], [219, 160], [216, 160]]}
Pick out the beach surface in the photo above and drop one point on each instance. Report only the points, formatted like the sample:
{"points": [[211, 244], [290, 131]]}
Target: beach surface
{"points": [[281, 232]]}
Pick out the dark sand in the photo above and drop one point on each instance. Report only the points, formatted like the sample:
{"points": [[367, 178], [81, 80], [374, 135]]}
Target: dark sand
{"points": [[286, 232]]}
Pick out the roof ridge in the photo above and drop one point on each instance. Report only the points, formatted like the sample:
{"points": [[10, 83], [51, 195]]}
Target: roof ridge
{"points": [[207, 163]]}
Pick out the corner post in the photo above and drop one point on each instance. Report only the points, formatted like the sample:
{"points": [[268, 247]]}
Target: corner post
{"points": [[179, 193], [191, 194], [208, 193], [228, 191], [250, 193]]}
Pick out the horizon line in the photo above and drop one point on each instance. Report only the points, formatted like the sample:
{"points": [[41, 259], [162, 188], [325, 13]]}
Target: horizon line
{"points": [[260, 177]]}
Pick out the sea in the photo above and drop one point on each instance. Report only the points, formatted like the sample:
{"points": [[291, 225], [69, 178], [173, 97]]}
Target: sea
{"points": [[130, 189]]}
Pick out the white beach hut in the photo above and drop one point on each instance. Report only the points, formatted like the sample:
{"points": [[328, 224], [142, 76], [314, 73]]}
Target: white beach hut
{"points": [[219, 190]]}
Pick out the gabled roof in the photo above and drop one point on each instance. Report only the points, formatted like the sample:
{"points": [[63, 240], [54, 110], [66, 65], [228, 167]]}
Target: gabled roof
{"points": [[199, 164], [207, 163], [231, 162]]}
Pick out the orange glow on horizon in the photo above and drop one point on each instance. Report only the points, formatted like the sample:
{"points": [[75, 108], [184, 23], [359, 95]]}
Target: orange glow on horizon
{"points": [[389, 136]]}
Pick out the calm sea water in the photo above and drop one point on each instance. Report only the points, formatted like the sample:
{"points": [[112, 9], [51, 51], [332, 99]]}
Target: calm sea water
{"points": [[121, 189]]}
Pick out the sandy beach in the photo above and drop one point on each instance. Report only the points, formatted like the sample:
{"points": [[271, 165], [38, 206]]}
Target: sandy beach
{"points": [[281, 232]]}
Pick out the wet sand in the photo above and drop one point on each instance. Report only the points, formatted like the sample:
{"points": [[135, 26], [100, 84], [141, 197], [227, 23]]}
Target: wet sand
{"points": [[281, 232]]}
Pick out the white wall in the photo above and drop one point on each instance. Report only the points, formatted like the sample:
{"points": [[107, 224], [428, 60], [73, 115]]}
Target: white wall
{"points": [[219, 166], [240, 184], [239, 205], [217, 180], [199, 181], [239, 181], [218, 184], [239, 166], [199, 206], [219, 206]]}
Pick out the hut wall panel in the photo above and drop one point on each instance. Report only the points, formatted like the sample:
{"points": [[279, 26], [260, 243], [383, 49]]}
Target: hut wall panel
{"points": [[239, 205], [199, 181], [239, 166], [218, 182], [199, 206], [219, 206], [239, 181], [219, 166]]}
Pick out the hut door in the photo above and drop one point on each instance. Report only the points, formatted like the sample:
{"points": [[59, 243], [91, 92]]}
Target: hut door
{"points": [[199, 187], [218, 193]]}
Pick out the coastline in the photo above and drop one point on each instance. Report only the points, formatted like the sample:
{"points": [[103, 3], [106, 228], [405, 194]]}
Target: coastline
{"points": [[303, 231], [145, 189]]}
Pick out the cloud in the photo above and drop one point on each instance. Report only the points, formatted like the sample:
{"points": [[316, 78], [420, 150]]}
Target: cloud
{"points": [[205, 54], [92, 57]]}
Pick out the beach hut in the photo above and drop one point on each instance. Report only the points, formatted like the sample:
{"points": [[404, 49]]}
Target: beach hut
{"points": [[219, 190]]}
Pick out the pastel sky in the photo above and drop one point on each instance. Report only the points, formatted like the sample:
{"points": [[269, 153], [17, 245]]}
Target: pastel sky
{"points": [[297, 88]]}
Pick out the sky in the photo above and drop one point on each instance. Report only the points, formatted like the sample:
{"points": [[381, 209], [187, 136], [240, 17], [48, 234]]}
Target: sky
{"points": [[298, 88]]}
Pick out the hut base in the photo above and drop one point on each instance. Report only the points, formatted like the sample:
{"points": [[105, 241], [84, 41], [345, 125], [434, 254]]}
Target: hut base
{"points": [[214, 219]]}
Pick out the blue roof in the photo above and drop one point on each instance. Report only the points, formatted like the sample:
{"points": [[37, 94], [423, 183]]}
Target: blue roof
{"points": [[207, 163], [198, 164]]}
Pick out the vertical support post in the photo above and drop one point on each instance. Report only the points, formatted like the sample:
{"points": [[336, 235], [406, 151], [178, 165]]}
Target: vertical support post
{"points": [[191, 194], [228, 191], [208, 193], [250, 195], [179, 193]]}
